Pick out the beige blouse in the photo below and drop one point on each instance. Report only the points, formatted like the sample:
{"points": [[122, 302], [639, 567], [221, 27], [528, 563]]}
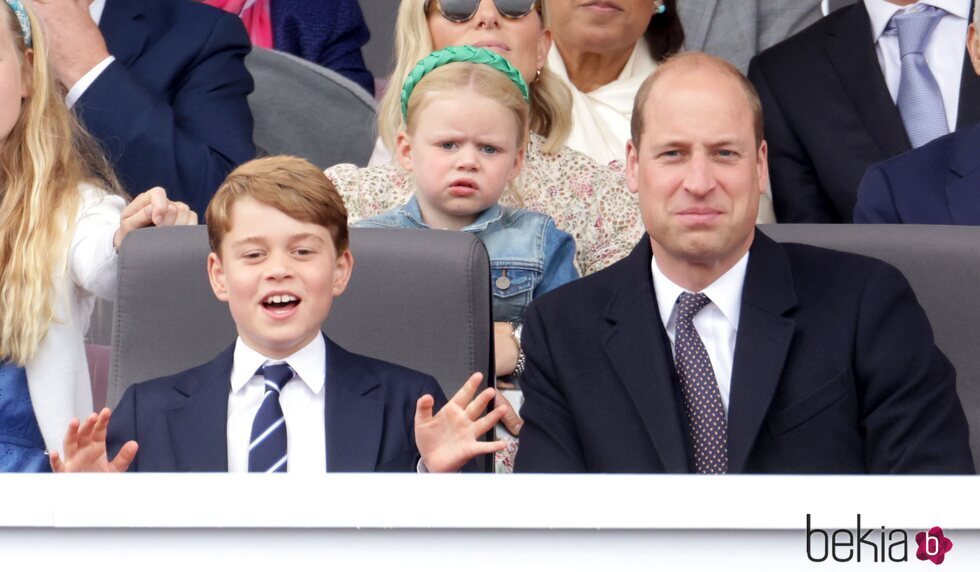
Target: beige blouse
{"points": [[585, 199]]}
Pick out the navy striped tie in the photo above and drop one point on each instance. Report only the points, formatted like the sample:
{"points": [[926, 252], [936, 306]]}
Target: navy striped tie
{"points": [[267, 447]]}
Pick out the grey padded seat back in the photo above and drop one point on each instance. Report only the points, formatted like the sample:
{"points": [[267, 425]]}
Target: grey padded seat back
{"points": [[942, 263], [418, 298], [309, 111]]}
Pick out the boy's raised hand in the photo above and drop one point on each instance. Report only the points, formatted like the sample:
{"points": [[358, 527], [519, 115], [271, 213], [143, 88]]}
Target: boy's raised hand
{"points": [[449, 439], [85, 450], [152, 208]]}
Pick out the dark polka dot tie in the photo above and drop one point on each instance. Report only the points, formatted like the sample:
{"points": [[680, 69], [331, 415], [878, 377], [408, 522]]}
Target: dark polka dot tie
{"points": [[702, 400]]}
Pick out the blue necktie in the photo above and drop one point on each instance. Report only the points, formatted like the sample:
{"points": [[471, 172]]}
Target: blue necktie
{"points": [[267, 447], [919, 100], [706, 419]]}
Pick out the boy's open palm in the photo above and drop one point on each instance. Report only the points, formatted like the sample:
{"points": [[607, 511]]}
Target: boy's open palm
{"points": [[85, 449], [449, 439]]}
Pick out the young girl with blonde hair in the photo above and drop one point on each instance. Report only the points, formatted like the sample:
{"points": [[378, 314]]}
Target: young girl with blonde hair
{"points": [[61, 221]]}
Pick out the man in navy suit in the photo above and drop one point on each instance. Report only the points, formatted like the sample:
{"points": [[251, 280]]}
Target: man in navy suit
{"points": [[938, 183], [829, 97], [161, 84], [774, 358], [283, 396]]}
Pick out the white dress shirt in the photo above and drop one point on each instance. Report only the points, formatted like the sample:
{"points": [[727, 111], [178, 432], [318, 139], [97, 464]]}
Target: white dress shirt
{"points": [[716, 323], [302, 400], [944, 54], [95, 9]]}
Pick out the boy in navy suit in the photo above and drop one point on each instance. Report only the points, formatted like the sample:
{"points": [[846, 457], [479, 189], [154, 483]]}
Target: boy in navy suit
{"points": [[283, 396]]}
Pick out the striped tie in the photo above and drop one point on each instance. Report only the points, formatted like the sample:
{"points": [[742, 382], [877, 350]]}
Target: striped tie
{"points": [[267, 447]]}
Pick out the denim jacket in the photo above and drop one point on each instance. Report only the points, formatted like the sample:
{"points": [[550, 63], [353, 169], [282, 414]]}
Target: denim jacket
{"points": [[528, 254]]}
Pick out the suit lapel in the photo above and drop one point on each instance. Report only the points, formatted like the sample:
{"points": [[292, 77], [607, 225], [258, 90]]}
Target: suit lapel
{"points": [[963, 179], [199, 427], [124, 27], [850, 49], [969, 106], [353, 418], [637, 347], [761, 346]]}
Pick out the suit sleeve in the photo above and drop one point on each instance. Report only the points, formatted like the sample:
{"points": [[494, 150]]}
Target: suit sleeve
{"points": [[874, 199], [797, 195], [911, 415], [188, 140], [549, 439], [122, 426]]}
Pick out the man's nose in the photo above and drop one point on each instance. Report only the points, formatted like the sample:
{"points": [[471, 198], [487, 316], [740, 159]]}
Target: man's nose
{"points": [[699, 178]]}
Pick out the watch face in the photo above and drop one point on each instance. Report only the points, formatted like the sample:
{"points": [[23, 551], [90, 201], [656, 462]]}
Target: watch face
{"points": [[517, 331]]}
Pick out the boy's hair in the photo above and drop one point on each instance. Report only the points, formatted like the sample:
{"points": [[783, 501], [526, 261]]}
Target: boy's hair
{"points": [[551, 101], [288, 184], [44, 159], [482, 79]]}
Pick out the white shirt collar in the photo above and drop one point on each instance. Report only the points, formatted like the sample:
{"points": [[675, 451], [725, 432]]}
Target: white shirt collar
{"points": [[95, 9], [725, 292], [881, 11], [309, 363]]}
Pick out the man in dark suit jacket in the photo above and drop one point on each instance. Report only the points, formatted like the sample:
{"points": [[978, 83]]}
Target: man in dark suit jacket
{"points": [[183, 418], [830, 366], [829, 115], [170, 109]]}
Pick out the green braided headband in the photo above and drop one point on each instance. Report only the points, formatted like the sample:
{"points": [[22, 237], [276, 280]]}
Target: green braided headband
{"points": [[25, 22], [459, 54]]}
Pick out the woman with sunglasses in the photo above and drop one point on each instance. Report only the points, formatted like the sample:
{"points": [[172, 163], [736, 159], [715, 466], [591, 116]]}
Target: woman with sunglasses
{"points": [[604, 49], [585, 199]]}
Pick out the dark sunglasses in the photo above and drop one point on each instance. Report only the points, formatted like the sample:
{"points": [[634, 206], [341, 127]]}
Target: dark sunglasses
{"points": [[464, 10]]}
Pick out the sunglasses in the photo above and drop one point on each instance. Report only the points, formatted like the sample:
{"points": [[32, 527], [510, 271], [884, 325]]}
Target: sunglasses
{"points": [[464, 10]]}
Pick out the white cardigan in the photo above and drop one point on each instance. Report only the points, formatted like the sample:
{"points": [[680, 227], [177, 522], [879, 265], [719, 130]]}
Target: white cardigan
{"points": [[58, 377]]}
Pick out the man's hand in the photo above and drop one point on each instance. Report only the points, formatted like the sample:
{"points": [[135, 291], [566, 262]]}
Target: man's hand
{"points": [[448, 440], [85, 450], [152, 208], [75, 43]]}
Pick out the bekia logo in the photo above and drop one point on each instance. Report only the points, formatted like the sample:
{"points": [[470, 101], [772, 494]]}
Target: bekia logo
{"points": [[874, 544]]}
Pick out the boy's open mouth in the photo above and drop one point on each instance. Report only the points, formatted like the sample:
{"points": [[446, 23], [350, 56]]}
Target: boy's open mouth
{"points": [[280, 302]]}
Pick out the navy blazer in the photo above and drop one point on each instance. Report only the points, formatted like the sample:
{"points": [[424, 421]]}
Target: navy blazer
{"points": [[171, 110], [829, 116], [181, 421], [835, 371], [938, 183], [327, 33]]}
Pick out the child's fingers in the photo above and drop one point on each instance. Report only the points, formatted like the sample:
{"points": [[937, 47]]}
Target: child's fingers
{"points": [[479, 405], [466, 393], [57, 466], [125, 456], [423, 409], [486, 423]]}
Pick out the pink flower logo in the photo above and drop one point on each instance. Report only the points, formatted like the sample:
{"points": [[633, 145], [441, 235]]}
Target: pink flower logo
{"points": [[933, 545]]}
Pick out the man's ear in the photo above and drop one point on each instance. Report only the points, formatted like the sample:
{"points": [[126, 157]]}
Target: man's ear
{"points": [[216, 275], [403, 150], [342, 271], [632, 164], [762, 164]]}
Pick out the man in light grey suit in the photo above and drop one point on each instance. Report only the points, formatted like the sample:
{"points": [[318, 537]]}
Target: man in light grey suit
{"points": [[737, 30]]}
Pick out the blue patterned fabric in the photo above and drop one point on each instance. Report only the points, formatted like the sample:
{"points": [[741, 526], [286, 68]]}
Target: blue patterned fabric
{"points": [[330, 33], [21, 444]]}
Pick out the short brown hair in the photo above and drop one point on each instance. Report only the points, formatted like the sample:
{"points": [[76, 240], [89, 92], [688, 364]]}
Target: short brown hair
{"points": [[288, 184], [690, 61]]}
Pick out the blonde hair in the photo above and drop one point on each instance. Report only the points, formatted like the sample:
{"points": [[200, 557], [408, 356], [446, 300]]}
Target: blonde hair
{"points": [[290, 185], [42, 162], [551, 101], [482, 80]]}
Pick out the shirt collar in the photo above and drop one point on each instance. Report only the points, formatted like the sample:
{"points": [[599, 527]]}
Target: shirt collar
{"points": [[491, 215], [95, 9], [881, 11], [725, 292], [309, 363]]}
